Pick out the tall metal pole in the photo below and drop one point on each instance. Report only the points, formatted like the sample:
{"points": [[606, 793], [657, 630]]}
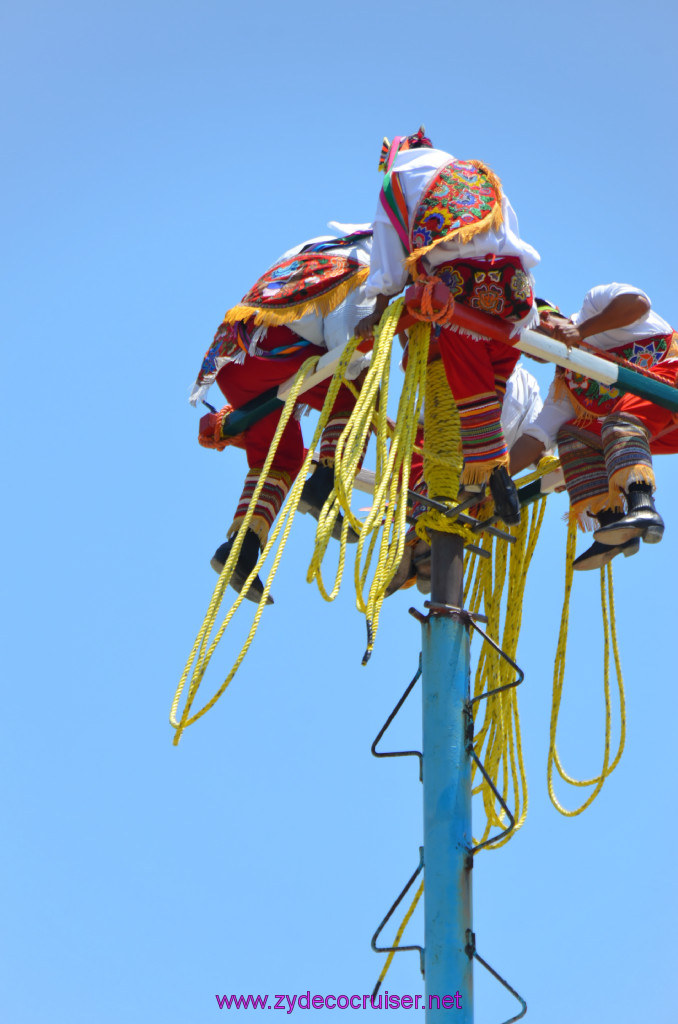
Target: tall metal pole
{"points": [[447, 791]]}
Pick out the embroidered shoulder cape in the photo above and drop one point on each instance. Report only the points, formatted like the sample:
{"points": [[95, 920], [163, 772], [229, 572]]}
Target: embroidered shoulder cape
{"points": [[462, 200], [316, 280]]}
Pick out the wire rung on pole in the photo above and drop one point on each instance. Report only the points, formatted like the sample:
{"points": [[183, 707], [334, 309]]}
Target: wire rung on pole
{"points": [[387, 723], [394, 906], [472, 952]]}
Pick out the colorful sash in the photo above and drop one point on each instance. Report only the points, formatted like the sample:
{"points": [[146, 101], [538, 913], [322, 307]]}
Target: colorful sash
{"points": [[316, 280], [590, 398], [392, 198]]}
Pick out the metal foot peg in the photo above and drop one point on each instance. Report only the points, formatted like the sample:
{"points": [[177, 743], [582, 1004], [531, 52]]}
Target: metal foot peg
{"points": [[472, 952], [399, 949], [400, 753]]}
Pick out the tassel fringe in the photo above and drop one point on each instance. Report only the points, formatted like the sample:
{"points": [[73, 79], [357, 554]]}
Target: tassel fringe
{"points": [[479, 472], [583, 416], [321, 305], [582, 511], [621, 480], [257, 525]]}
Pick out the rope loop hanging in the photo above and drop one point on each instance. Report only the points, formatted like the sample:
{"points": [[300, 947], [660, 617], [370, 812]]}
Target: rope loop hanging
{"points": [[204, 647], [610, 643]]}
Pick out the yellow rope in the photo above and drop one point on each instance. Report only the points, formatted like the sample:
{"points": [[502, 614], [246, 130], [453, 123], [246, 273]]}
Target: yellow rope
{"points": [[201, 653], [443, 458], [546, 465], [382, 535], [383, 531], [498, 740], [389, 509], [399, 935], [609, 639]]}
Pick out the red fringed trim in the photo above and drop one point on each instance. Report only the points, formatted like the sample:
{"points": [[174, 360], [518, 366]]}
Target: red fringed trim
{"points": [[209, 435]]}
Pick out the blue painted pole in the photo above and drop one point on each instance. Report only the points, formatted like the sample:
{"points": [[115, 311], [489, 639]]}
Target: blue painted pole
{"points": [[447, 793]]}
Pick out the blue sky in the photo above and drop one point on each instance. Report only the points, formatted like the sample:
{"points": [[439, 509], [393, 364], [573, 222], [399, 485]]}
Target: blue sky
{"points": [[158, 157]]}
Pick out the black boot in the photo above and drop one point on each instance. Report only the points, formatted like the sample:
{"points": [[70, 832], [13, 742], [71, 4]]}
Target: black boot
{"points": [[315, 493], [247, 559], [599, 554], [642, 519], [505, 496]]}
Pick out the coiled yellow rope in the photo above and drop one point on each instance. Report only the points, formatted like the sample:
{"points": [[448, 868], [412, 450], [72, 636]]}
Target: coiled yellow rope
{"points": [[497, 586], [386, 521], [610, 640], [383, 532], [443, 458], [203, 649], [498, 741], [351, 447]]}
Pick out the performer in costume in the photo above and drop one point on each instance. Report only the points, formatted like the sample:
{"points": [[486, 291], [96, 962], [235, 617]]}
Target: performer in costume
{"points": [[522, 405], [449, 218], [605, 440], [308, 302]]}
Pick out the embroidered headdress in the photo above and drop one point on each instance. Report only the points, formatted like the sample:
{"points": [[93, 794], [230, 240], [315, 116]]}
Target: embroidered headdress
{"points": [[402, 142]]}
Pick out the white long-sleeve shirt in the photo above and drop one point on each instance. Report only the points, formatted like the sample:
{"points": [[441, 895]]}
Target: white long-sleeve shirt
{"points": [[336, 328], [521, 406], [330, 331], [415, 169], [599, 298], [559, 411]]}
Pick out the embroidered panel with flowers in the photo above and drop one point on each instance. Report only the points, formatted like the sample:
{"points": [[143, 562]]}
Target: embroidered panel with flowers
{"points": [[464, 197], [497, 286], [592, 399]]}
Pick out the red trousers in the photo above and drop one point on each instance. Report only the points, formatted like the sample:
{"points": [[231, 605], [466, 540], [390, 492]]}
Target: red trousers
{"points": [[240, 382], [662, 424], [600, 479], [477, 370]]}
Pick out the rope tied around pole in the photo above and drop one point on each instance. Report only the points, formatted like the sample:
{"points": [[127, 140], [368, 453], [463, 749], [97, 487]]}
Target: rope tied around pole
{"points": [[430, 300], [443, 457]]}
